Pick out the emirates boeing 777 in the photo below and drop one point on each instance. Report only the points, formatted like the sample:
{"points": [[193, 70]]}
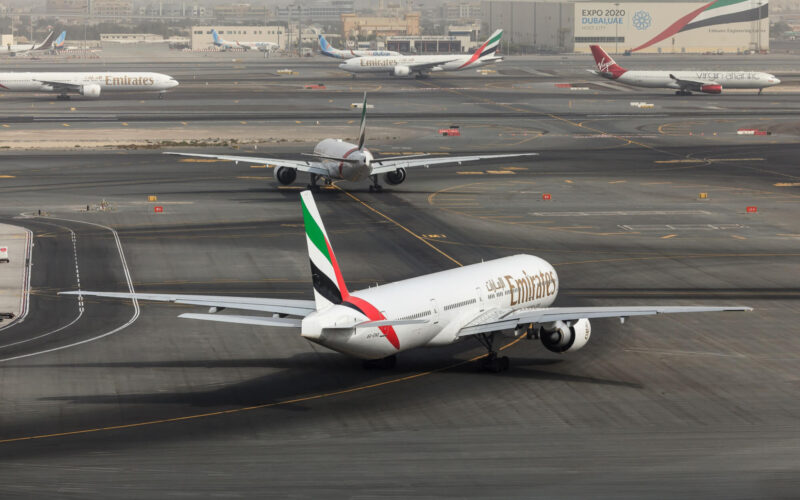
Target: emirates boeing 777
{"points": [[685, 82], [510, 294], [87, 84]]}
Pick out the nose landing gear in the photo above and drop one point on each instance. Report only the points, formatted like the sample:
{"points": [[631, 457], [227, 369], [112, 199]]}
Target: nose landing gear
{"points": [[375, 187]]}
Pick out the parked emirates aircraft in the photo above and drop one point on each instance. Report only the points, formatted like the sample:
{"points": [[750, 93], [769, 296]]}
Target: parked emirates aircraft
{"points": [[226, 45], [510, 294], [351, 162], [686, 82], [21, 49], [88, 84], [405, 65], [327, 50]]}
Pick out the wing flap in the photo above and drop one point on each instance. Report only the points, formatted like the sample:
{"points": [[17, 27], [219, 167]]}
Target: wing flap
{"points": [[551, 314], [245, 320], [313, 167], [387, 166]]}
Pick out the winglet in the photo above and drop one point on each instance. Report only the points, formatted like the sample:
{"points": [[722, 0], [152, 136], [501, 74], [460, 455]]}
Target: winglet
{"points": [[362, 133]]}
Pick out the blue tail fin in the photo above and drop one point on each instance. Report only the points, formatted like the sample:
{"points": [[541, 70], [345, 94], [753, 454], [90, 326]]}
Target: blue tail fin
{"points": [[216, 37], [60, 40]]}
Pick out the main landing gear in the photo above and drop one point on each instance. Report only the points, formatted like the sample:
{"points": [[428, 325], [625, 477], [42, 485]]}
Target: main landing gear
{"points": [[375, 187], [386, 363], [683, 92], [492, 362], [62, 97], [313, 187], [760, 90]]}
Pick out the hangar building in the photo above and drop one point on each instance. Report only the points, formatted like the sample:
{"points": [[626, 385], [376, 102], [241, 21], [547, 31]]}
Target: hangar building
{"points": [[668, 27]]}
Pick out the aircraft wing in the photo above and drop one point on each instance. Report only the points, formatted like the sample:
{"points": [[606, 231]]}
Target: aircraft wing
{"points": [[488, 322], [289, 307], [313, 167], [429, 65], [62, 86], [695, 85], [390, 165]]}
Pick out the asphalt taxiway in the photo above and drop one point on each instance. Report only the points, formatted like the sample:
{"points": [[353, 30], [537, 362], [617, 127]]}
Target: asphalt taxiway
{"points": [[125, 400]]}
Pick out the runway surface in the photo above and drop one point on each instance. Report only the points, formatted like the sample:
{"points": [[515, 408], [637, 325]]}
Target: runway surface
{"points": [[123, 400]]}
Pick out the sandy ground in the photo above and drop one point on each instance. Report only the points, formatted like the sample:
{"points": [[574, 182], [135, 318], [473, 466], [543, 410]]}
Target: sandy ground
{"points": [[12, 274], [195, 136]]}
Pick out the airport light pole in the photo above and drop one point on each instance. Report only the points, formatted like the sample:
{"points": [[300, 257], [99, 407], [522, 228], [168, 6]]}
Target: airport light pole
{"points": [[616, 33]]}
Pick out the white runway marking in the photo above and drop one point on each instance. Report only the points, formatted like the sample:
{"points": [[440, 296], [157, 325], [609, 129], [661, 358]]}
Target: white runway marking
{"points": [[128, 279]]}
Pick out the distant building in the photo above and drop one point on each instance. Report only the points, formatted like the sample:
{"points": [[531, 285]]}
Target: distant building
{"points": [[172, 9], [66, 7], [359, 26], [131, 37], [201, 37], [428, 44], [457, 11], [471, 31], [241, 11], [319, 12], [111, 8], [671, 27]]}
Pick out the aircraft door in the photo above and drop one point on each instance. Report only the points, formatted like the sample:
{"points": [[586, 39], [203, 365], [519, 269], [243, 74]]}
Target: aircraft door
{"points": [[479, 297], [434, 312]]}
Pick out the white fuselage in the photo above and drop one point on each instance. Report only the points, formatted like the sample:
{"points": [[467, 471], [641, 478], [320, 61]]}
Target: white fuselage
{"points": [[355, 170], [17, 49], [389, 64], [727, 79], [350, 54], [107, 82], [448, 300], [262, 46]]}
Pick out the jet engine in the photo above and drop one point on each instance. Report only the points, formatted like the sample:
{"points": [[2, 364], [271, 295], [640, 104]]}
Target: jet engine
{"points": [[401, 71], [563, 337], [91, 90], [396, 177], [714, 88], [285, 175]]}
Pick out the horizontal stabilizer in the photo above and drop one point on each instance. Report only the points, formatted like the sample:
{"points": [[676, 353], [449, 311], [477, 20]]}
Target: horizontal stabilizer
{"points": [[390, 322], [280, 306], [245, 320]]}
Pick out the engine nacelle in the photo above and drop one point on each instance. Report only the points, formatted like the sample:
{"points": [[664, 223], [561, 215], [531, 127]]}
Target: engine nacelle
{"points": [[562, 337], [91, 90], [714, 88], [401, 71], [285, 175], [396, 177]]}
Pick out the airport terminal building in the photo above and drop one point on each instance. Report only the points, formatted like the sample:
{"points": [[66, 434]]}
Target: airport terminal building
{"points": [[721, 26]]}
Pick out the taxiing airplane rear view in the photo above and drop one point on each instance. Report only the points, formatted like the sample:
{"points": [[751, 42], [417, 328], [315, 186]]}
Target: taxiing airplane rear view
{"points": [[510, 294], [338, 159], [685, 82]]}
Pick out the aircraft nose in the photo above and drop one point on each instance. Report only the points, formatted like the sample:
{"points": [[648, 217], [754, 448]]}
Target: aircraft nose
{"points": [[173, 83], [775, 81]]}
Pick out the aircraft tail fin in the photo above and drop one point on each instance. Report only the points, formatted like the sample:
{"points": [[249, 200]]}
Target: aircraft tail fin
{"points": [[59, 43], [47, 43], [216, 37], [329, 286], [362, 133], [605, 63], [490, 46]]}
